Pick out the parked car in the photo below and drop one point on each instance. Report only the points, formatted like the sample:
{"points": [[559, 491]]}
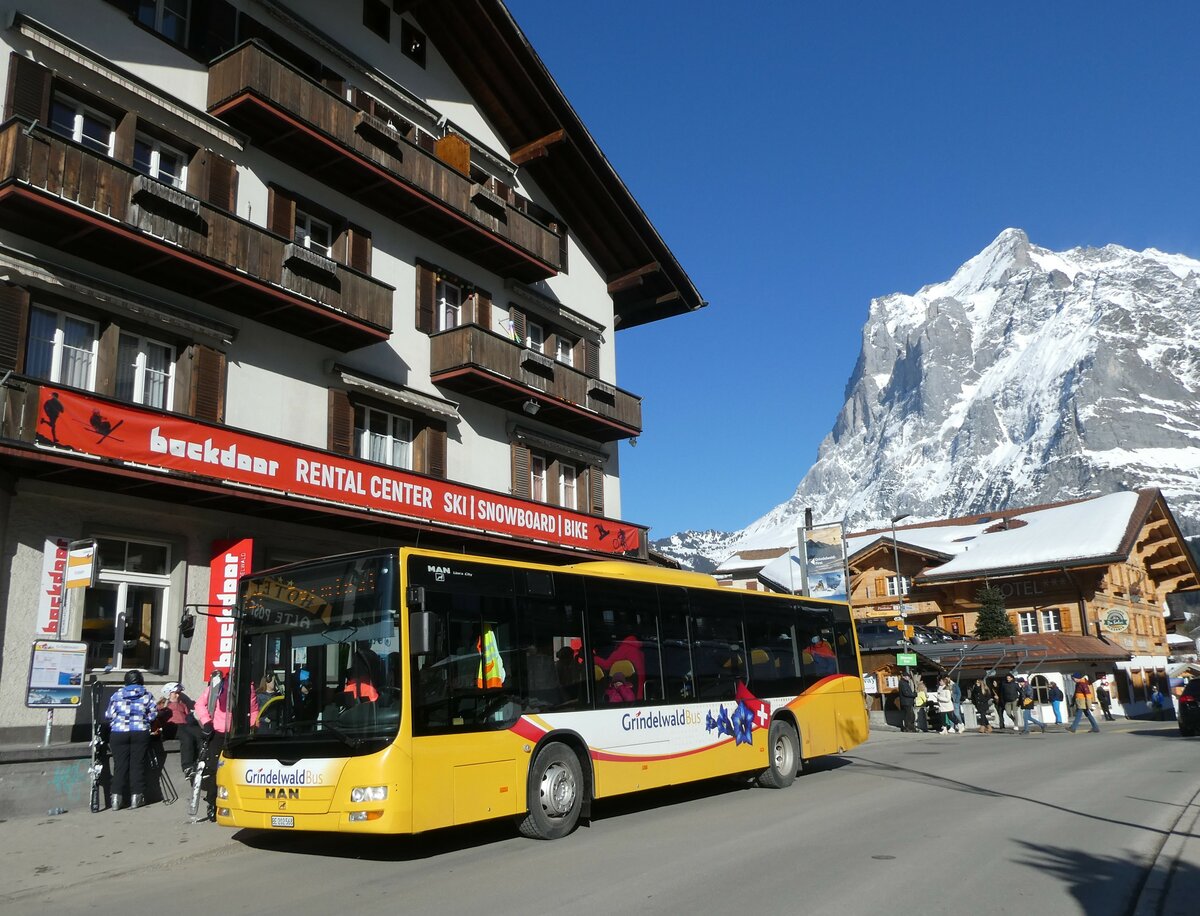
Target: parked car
{"points": [[879, 637], [926, 634], [1188, 713]]}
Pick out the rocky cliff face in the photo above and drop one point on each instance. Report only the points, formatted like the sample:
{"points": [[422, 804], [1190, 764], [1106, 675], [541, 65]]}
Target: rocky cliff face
{"points": [[1029, 376]]}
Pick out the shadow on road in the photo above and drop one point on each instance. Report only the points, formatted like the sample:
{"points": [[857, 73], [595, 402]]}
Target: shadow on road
{"points": [[1098, 881]]}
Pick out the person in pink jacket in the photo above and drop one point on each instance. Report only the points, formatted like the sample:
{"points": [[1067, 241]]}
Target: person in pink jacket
{"points": [[212, 712]]}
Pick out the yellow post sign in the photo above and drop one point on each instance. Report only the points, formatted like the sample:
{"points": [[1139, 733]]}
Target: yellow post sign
{"points": [[81, 565]]}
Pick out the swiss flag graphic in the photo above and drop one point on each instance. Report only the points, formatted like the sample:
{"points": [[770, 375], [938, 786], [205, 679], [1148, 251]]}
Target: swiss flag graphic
{"points": [[760, 709]]}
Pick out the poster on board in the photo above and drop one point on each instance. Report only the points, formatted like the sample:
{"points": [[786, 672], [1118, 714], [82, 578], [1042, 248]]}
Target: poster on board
{"points": [[55, 674]]}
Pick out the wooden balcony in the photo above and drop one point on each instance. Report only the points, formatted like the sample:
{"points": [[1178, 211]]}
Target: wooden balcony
{"points": [[476, 362], [302, 123], [86, 204]]}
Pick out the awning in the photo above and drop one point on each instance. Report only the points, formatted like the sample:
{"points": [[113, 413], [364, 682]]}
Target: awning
{"points": [[398, 394]]}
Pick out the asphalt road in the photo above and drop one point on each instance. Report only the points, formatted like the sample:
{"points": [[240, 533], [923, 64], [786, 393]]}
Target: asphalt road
{"points": [[1054, 824]]}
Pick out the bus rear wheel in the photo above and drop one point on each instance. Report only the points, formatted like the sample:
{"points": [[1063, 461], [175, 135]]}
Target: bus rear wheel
{"points": [[555, 793], [783, 750]]}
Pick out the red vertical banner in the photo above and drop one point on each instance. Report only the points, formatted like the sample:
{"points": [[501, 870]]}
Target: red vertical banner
{"points": [[230, 560]]}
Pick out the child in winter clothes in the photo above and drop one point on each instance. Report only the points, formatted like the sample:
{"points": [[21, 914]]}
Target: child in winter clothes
{"points": [[131, 713]]}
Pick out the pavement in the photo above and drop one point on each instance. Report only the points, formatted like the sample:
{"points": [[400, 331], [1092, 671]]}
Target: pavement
{"points": [[51, 852]]}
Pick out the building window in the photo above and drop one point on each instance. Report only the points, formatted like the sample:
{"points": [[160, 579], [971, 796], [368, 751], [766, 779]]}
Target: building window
{"points": [[383, 437], [167, 17], [1041, 689], [568, 477], [564, 350], [313, 233], [535, 337], [449, 305], [1051, 620], [537, 478], [82, 124], [159, 161], [1027, 621], [62, 348], [377, 17], [412, 42], [145, 371], [905, 586], [122, 615]]}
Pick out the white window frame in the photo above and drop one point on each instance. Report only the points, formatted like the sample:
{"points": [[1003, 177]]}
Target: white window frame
{"points": [[141, 371], [58, 345], [1027, 622], [568, 486], [449, 307], [123, 580], [84, 111], [305, 224], [564, 350], [535, 336], [160, 10], [394, 423], [157, 149], [537, 478], [1050, 620], [905, 586]]}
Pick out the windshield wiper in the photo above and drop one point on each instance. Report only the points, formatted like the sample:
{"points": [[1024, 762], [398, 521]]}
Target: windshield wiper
{"points": [[343, 736]]}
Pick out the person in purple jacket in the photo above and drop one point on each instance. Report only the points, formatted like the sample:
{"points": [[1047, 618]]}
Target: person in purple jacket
{"points": [[131, 712]]}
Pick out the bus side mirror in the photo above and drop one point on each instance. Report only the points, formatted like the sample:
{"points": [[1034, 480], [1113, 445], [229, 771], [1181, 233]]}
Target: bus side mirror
{"points": [[187, 627], [421, 632]]}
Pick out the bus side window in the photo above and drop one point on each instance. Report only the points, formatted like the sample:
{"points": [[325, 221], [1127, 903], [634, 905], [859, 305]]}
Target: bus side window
{"points": [[622, 621], [717, 649]]}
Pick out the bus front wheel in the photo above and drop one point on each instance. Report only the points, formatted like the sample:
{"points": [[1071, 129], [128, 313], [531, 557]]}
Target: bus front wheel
{"points": [[783, 750], [555, 793]]}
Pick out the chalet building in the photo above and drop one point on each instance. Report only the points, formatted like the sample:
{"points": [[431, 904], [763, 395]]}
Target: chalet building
{"points": [[287, 278], [742, 568], [1098, 568]]}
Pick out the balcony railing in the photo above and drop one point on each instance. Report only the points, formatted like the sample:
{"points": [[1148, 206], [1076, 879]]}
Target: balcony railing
{"points": [[301, 122], [476, 362], [87, 204]]}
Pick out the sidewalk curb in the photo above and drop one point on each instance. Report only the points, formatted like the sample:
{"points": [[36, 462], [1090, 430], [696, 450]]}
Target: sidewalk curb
{"points": [[1155, 893]]}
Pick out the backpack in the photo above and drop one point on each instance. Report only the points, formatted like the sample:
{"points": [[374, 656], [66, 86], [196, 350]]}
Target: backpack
{"points": [[921, 699]]}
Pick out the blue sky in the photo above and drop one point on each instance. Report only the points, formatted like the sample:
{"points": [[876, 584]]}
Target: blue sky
{"points": [[802, 158]]}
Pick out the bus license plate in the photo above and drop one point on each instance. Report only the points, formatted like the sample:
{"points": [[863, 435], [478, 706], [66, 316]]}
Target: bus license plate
{"points": [[283, 820]]}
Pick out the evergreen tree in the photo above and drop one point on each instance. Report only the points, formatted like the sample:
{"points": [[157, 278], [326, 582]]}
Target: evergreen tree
{"points": [[993, 621]]}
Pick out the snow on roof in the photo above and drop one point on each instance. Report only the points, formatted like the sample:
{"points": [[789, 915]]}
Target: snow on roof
{"points": [[1039, 537]]}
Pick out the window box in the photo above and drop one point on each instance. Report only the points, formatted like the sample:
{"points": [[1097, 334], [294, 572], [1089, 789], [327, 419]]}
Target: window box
{"points": [[602, 391], [303, 260], [162, 198], [534, 358], [489, 201], [379, 132]]}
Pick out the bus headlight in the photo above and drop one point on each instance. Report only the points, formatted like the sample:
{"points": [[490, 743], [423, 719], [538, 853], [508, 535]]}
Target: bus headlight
{"points": [[361, 794], [222, 792]]}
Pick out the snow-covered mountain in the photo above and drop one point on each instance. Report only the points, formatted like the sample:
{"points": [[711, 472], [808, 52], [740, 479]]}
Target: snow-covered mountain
{"points": [[1029, 376]]}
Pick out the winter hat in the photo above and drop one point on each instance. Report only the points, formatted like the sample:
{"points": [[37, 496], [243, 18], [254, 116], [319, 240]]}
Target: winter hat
{"points": [[170, 688]]}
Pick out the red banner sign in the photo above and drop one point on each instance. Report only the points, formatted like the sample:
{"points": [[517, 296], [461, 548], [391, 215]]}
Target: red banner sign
{"points": [[230, 561], [92, 426]]}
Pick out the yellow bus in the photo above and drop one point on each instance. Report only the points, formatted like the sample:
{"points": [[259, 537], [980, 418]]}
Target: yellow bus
{"points": [[422, 689]]}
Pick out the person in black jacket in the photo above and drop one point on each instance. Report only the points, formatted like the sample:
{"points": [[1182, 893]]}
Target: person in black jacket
{"points": [[981, 699], [908, 702], [1010, 696]]}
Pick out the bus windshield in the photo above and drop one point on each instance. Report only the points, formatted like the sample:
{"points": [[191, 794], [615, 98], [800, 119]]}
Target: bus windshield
{"points": [[319, 650]]}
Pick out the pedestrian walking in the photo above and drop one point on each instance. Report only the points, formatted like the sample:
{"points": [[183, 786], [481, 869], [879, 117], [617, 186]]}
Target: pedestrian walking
{"points": [[1056, 698], [1010, 696], [1159, 702], [908, 703], [131, 713], [945, 701], [1104, 698], [981, 699], [956, 698], [1083, 704], [1028, 702]]}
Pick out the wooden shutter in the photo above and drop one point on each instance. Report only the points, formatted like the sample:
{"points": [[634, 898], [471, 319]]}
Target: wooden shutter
{"points": [[591, 358], [28, 90], [881, 587], [520, 471], [106, 359], [518, 323], [281, 212], [14, 321], [483, 309], [341, 422], [126, 134], [426, 293], [221, 186], [434, 449], [1064, 617], [207, 400], [595, 477], [1015, 621], [358, 249]]}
